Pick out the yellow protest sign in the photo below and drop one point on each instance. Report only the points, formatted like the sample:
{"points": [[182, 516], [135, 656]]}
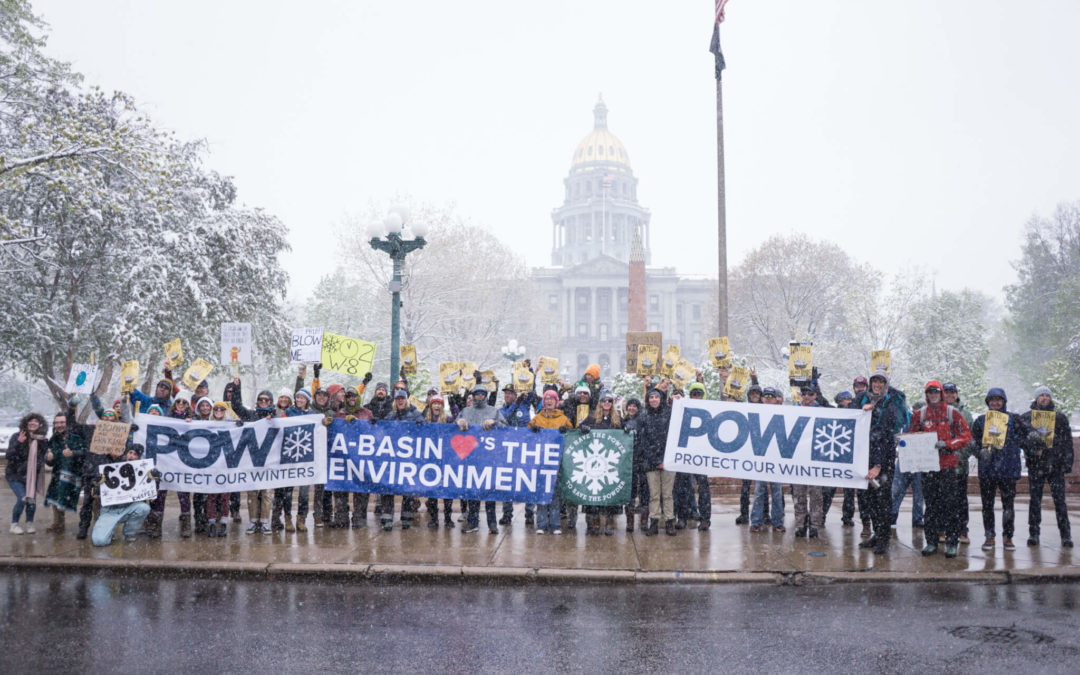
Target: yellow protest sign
{"points": [[671, 359], [683, 373], [450, 376], [197, 373], [720, 352], [109, 436], [881, 361], [548, 369], [635, 339], [523, 379], [1043, 421], [174, 353], [468, 374], [995, 428], [347, 355], [648, 357], [800, 361], [129, 376], [408, 359], [738, 382], [796, 395], [487, 378]]}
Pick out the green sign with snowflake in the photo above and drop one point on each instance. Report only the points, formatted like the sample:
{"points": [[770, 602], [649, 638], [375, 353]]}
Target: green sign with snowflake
{"points": [[596, 468]]}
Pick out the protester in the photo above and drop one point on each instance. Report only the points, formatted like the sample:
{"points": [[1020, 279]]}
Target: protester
{"points": [[847, 513], [639, 486], [1048, 464], [482, 415], [65, 457], [686, 508], [131, 515], [259, 502], [550, 416], [25, 459], [515, 411], [808, 501], [652, 433], [764, 489], [351, 411], [435, 413], [952, 397], [605, 417], [942, 488], [889, 416]]}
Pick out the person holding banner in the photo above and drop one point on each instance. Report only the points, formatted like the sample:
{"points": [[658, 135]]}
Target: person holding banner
{"points": [[351, 410], [258, 501], [25, 460], [301, 405], [1048, 462], [550, 416], [131, 515], [652, 432], [808, 499], [577, 409], [435, 413], [516, 412], [942, 490], [605, 417], [639, 486], [889, 416], [999, 446], [765, 491], [485, 416], [403, 411], [686, 483], [952, 397]]}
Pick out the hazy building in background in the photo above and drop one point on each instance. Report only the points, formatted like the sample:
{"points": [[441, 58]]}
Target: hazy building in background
{"points": [[599, 226]]}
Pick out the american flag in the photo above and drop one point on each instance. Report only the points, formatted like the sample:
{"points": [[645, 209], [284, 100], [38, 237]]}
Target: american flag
{"points": [[714, 47], [609, 180], [720, 11]]}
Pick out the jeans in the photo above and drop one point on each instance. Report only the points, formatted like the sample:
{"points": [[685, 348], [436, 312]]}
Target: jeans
{"points": [[20, 502], [988, 487], [283, 500], [744, 498], [508, 508], [474, 513], [684, 497], [1056, 479], [762, 492], [808, 496], [131, 515], [899, 489], [547, 515]]}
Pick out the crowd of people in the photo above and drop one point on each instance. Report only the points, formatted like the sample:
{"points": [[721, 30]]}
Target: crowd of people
{"points": [[659, 498]]}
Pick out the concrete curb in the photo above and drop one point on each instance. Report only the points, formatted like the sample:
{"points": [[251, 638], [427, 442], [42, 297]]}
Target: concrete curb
{"points": [[384, 572]]}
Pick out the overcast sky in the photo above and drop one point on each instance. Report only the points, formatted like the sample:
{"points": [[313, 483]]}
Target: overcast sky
{"points": [[917, 133]]}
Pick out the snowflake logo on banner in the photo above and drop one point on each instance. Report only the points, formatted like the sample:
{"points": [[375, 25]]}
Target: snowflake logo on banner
{"points": [[298, 444], [595, 467], [834, 441]]}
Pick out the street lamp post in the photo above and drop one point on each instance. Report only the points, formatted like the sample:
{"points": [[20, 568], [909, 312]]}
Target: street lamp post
{"points": [[513, 352], [397, 247]]}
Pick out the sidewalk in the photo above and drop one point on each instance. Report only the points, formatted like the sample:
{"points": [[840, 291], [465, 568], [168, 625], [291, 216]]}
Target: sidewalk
{"points": [[726, 553]]}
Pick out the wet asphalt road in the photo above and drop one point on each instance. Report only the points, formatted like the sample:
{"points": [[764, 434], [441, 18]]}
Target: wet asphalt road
{"points": [[88, 623]]}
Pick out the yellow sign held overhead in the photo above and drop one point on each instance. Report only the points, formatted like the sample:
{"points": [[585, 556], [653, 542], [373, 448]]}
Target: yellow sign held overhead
{"points": [[129, 376], [523, 379], [174, 353], [648, 357], [343, 354], [408, 359], [683, 373], [738, 382], [671, 359], [720, 352], [800, 361], [450, 376], [881, 361], [197, 373], [547, 368]]}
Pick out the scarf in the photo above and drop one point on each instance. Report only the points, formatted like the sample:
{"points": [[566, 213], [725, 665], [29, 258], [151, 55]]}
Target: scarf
{"points": [[32, 469]]}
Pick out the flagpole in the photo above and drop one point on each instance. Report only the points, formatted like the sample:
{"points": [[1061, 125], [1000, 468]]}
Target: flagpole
{"points": [[721, 211]]}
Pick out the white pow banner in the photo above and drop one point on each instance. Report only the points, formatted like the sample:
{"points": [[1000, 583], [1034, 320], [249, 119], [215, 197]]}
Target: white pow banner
{"points": [[214, 457], [780, 444]]}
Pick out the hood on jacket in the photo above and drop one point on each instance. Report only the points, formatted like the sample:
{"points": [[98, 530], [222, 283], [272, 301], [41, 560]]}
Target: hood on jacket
{"points": [[997, 391]]}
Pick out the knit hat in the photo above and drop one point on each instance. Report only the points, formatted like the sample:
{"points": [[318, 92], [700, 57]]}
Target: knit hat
{"points": [[204, 399], [383, 386], [480, 389], [607, 395], [582, 389], [633, 401], [265, 393], [843, 396], [333, 389], [696, 386], [221, 404], [550, 393], [1039, 391], [859, 380], [155, 407], [436, 398], [594, 370], [401, 393], [305, 393], [286, 393]]}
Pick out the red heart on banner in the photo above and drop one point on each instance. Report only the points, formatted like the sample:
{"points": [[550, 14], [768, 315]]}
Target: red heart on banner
{"points": [[463, 445]]}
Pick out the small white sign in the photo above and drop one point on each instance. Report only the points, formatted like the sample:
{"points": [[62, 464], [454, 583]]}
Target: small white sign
{"points": [[306, 345], [917, 452], [82, 378], [236, 344], [126, 482]]}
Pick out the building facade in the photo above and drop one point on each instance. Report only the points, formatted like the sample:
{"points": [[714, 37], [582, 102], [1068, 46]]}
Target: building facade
{"points": [[597, 230]]}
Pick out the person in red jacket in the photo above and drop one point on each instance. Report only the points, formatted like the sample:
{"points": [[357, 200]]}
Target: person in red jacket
{"points": [[944, 501]]}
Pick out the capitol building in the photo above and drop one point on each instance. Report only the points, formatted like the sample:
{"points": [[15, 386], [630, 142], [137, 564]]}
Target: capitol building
{"points": [[597, 233]]}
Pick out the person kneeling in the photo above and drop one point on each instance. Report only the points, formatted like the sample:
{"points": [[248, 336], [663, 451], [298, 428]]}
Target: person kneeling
{"points": [[131, 515]]}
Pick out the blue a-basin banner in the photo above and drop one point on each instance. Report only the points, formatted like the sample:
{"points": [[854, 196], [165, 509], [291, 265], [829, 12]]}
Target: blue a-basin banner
{"points": [[440, 460], [775, 443]]}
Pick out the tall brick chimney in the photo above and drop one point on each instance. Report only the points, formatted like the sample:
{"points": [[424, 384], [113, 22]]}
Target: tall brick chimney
{"points": [[637, 286]]}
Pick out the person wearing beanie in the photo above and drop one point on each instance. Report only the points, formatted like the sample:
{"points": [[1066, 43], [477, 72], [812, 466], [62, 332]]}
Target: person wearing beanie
{"points": [[686, 507], [131, 515], [435, 413], [651, 438], [577, 408], [591, 380], [485, 416], [999, 467], [942, 489], [1047, 463], [888, 417], [847, 513], [162, 396], [380, 403], [402, 411], [952, 397], [259, 502], [516, 411], [606, 417], [282, 510], [639, 486], [351, 411], [550, 416]]}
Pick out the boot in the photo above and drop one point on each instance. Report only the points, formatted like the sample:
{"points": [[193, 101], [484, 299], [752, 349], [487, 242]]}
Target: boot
{"points": [[289, 527], [211, 528], [609, 526], [222, 529], [669, 528], [654, 527], [153, 525], [592, 524], [571, 516], [275, 519], [185, 525], [629, 519], [58, 521], [301, 526]]}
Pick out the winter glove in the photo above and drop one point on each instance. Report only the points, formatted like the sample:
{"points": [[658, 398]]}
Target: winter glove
{"points": [[584, 428], [74, 401], [133, 427], [349, 419], [327, 421], [1035, 439], [536, 430], [155, 474], [463, 425], [316, 369], [627, 431], [367, 378], [984, 454], [488, 424], [563, 429], [941, 447], [239, 423], [419, 423]]}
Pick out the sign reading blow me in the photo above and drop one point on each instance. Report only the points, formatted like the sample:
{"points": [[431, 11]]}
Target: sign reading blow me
{"points": [[440, 460], [781, 444], [214, 457]]}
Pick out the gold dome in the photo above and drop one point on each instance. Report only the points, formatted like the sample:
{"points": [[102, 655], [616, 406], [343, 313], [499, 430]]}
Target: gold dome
{"points": [[600, 146]]}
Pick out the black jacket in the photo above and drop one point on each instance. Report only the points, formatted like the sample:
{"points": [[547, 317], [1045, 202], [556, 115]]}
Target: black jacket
{"points": [[650, 437], [1058, 458], [18, 458]]}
